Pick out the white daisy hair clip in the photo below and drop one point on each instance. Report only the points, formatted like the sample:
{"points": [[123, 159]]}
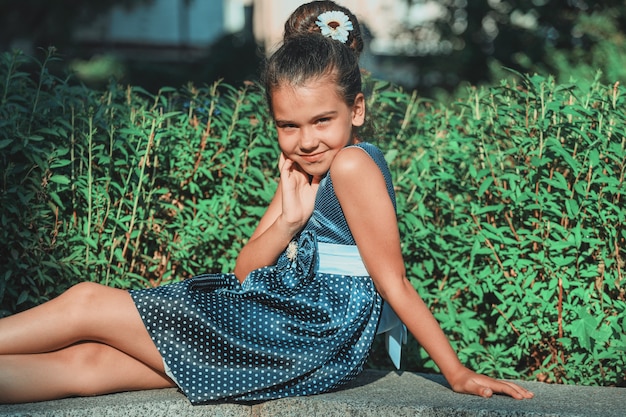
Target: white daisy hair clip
{"points": [[335, 25]]}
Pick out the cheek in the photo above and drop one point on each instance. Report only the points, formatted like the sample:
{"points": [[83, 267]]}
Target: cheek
{"points": [[343, 136], [285, 145]]}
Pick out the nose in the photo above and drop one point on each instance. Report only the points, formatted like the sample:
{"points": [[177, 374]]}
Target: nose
{"points": [[308, 140]]}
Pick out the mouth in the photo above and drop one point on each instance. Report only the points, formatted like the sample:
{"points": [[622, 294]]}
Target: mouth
{"points": [[312, 158]]}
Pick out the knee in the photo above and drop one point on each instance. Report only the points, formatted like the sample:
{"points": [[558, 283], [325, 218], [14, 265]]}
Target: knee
{"points": [[83, 362], [85, 290], [81, 299], [82, 355]]}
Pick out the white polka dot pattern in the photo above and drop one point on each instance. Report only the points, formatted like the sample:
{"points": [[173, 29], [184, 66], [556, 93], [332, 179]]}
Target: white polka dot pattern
{"points": [[287, 330]]}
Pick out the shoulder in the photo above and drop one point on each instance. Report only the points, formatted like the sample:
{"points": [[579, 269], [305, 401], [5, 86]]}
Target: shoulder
{"points": [[359, 180], [361, 167], [357, 159], [351, 161]]}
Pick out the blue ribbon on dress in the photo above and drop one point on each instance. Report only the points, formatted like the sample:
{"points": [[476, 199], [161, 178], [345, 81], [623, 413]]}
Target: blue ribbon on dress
{"points": [[394, 331], [346, 260], [298, 261]]}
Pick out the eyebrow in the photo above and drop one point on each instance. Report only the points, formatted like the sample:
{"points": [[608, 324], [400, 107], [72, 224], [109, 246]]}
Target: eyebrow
{"points": [[318, 116]]}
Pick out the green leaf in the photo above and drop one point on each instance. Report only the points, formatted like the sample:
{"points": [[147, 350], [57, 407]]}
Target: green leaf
{"points": [[584, 327], [5, 142], [60, 179], [485, 185]]}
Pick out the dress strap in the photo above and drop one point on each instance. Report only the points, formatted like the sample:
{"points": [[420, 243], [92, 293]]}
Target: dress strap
{"points": [[346, 260]]}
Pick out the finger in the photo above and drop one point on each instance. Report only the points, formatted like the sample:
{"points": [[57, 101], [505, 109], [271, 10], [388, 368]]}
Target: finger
{"points": [[522, 392], [477, 388], [513, 390], [285, 168], [282, 161]]}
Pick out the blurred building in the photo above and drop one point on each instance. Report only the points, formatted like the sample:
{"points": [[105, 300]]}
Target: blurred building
{"points": [[179, 30], [197, 24], [166, 29]]}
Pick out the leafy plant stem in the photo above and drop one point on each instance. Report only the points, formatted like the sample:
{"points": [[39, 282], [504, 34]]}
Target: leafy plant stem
{"points": [[49, 53], [205, 137], [143, 163], [90, 162], [9, 76]]}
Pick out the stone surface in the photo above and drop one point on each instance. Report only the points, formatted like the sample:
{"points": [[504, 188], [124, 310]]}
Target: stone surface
{"points": [[374, 393]]}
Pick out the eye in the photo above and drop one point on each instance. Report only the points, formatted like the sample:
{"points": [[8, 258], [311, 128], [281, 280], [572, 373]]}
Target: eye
{"points": [[285, 126], [323, 120]]}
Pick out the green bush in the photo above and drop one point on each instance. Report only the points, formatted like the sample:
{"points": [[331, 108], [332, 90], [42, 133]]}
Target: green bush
{"points": [[511, 207], [510, 204], [123, 187]]}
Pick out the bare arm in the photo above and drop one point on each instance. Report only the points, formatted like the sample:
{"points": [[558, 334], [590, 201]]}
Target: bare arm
{"points": [[286, 215], [362, 193]]}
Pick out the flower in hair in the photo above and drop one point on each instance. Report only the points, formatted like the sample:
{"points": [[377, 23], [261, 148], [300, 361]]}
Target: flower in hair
{"points": [[335, 25]]}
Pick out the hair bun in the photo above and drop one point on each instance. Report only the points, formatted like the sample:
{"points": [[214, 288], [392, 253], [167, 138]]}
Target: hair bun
{"points": [[329, 19]]}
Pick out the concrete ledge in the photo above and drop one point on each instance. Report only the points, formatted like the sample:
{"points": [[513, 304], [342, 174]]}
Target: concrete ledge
{"points": [[374, 393]]}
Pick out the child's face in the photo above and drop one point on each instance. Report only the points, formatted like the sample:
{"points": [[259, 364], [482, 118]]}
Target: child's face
{"points": [[314, 123]]}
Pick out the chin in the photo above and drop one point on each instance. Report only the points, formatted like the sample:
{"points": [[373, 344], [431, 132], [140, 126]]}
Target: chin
{"points": [[316, 170]]}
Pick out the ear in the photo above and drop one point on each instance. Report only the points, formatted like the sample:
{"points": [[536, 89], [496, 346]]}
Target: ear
{"points": [[358, 110]]}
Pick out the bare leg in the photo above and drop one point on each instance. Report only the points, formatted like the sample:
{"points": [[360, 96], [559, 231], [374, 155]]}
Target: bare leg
{"points": [[89, 340], [86, 312], [82, 369]]}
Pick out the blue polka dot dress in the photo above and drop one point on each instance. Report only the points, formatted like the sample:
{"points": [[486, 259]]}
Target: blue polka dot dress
{"points": [[303, 326]]}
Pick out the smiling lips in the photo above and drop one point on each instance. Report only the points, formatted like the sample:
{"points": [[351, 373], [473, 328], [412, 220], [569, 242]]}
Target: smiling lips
{"points": [[312, 157]]}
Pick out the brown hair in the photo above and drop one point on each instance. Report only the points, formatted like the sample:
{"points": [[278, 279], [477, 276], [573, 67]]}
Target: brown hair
{"points": [[306, 54]]}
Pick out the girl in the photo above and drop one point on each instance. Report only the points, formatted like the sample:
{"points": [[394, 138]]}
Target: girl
{"points": [[299, 314]]}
